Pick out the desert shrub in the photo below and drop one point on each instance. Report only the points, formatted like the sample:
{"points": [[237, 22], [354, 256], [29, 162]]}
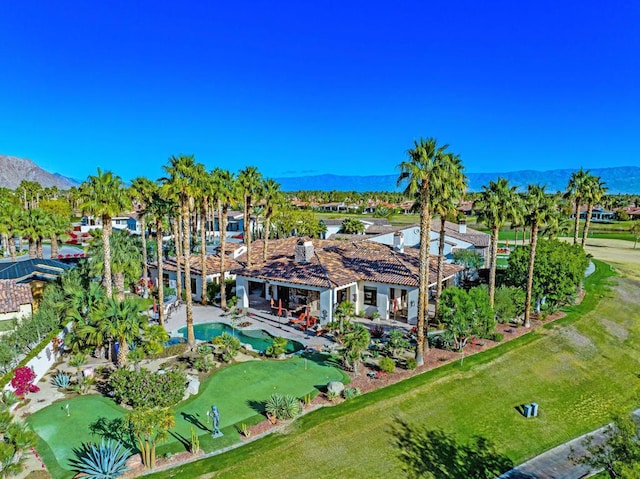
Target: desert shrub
{"points": [[509, 303], [377, 331], [204, 364], [332, 395], [396, 343], [105, 460], [61, 380], [174, 350], [145, 389], [228, 345], [350, 393], [411, 364], [386, 364], [497, 337]]}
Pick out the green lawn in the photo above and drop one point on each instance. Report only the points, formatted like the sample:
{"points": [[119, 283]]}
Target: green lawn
{"points": [[238, 391], [580, 370]]}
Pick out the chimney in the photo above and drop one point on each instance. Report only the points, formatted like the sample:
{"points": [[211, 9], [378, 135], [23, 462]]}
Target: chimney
{"points": [[462, 227], [303, 252], [398, 242]]}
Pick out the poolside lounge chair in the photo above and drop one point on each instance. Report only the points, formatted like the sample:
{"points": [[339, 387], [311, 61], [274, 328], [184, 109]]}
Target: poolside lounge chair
{"points": [[300, 319]]}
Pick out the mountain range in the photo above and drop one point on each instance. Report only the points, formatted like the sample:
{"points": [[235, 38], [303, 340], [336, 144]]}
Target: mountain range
{"points": [[618, 180], [13, 170]]}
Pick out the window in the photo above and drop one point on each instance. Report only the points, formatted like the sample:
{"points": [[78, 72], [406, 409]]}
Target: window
{"points": [[370, 296]]}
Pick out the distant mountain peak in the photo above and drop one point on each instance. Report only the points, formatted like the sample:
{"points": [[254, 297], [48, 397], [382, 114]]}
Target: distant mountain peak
{"points": [[13, 170]]}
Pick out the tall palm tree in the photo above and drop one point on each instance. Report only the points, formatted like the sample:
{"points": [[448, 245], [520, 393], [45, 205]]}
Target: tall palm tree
{"points": [[182, 171], [594, 191], [250, 183], [159, 209], [448, 186], [127, 323], [142, 190], [9, 211], [576, 192], [203, 193], [225, 184], [104, 196], [274, 199], [498, 203], [540, 208], [34, 224], [417, 173]]}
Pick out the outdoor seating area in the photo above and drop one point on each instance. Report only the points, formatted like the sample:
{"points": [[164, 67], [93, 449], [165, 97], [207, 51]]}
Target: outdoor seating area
{"points": [[171, 305]]}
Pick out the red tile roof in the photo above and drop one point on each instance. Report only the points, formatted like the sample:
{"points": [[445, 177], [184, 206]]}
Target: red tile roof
{"points": [[13, 295]]}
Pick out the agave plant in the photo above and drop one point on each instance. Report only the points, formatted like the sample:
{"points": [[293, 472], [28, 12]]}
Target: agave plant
{"points": [[106, 460], [61, 380], [282, 407]]}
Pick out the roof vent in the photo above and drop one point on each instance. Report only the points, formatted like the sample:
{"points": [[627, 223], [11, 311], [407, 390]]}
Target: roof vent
{"points": [[398, 242], [462, 227]]}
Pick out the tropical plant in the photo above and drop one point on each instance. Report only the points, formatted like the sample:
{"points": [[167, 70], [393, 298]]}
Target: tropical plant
{"points": [[447, 188], [351, 393], [142, 190], [225, 185], [594, 191], [126, 324], [282, 407], [396, 343], [106, 460], [16, 438], [576, 192], [229, 346], [352, 226], [345, 311], [356, 340], [278, 347], [182, 171], [635, 231], [540, 207], [465, 314], [61, 380], [250, 184], [104, 195], [194, 443], [386, 364], [508, 303], [417, 173], [498, 203], [274, 200], [150, 427]]}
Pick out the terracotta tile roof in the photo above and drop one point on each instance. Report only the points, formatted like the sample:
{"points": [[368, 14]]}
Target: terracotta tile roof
{"points": [[13, 295], [337, 263], [475, 237]]}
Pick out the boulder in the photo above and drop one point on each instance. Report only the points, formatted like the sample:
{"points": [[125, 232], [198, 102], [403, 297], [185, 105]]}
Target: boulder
{"points": [[335, 387], [192, 387]]}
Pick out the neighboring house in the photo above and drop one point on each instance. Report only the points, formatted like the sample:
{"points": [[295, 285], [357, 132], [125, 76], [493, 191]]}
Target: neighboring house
{"points": [[34, 269], [213, 271], [134, 223], [320, 274], [598, 215], [632, 211], [340, 206], [16, 300], [129, 222], [457, 237]]}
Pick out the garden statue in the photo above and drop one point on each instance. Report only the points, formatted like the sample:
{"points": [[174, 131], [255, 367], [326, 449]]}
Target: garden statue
{"points": [[214, 414]]}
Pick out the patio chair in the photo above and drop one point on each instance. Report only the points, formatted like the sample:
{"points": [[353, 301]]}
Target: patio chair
{"points": [[300, 319]]}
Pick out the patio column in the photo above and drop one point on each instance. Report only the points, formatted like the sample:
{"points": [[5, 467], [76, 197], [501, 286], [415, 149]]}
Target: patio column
{"points": [[242, 292], [412, 306], [383, 301], [326, 304]]}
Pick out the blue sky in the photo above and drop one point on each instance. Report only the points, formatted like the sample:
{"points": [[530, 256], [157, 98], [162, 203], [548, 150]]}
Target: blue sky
{"points": [[304, 88]]}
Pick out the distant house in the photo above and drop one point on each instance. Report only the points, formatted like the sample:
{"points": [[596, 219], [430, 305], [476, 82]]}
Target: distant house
{"points": [[372, 226], [318, 275], [34, 269], [632, 211], [16, 300], [598, 215]]}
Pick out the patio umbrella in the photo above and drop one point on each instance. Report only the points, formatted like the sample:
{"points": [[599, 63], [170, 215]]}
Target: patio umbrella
{"points": [[279, 307]]}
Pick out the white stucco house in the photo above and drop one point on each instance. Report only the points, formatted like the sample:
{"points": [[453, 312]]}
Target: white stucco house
{"points": [[16, 300]]}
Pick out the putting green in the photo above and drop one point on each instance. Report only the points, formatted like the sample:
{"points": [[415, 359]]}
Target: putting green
{"points": [[238, 391]]}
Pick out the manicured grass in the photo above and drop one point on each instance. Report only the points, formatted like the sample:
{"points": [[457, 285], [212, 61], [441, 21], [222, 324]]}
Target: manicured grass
{"points": [[238, 391], [580, 370]]}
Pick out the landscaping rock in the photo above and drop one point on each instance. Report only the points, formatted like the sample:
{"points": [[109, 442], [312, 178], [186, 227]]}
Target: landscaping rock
{"points": [[335, 387], [192, 387]]}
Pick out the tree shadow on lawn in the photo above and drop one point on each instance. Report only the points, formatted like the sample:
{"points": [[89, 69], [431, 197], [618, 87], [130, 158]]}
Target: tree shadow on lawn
{"points": [[257, 406], [193, 419], [323, 359], [115, 429]]}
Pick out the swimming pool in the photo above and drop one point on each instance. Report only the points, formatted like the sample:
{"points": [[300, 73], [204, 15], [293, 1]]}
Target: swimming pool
{"points": [[257, 338]]}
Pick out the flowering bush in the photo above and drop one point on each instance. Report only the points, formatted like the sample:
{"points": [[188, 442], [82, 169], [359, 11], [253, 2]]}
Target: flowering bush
{"points": [[22, 381]]}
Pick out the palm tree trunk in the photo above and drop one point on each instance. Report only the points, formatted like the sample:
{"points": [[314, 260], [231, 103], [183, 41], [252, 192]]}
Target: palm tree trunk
{"points": [[119, 285], [160, 271], [532, 257], [54, 245], [423, 281], [267, 233], [203, 253], [5, 242], [587, 224], [123, 351], [186, 237], [12, 248], [145, 268], [176, 244], [576, 224], [440, 263], [222, 226], [32, 248], [247, 234], [106, 234], [494, 260], [39, 252]]}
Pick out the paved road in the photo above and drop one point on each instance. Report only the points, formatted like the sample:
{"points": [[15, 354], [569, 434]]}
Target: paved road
{"points": [[46, 252]]}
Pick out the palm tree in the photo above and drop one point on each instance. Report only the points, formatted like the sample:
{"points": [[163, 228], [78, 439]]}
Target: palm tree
{"points": [[159, 209], [576, 191], [540, 208], [250, 183], [104, 196], [142, 190], [9, 211], [635, 231], [34, 224], [594, 190], [182, 171], [127, 323], [274, 199], [447, 189], [225, 185], [417, 173], [203, 193], [498, 203]]}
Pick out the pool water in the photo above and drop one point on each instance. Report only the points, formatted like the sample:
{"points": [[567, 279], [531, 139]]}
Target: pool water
{"points": [[257, 338]]}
